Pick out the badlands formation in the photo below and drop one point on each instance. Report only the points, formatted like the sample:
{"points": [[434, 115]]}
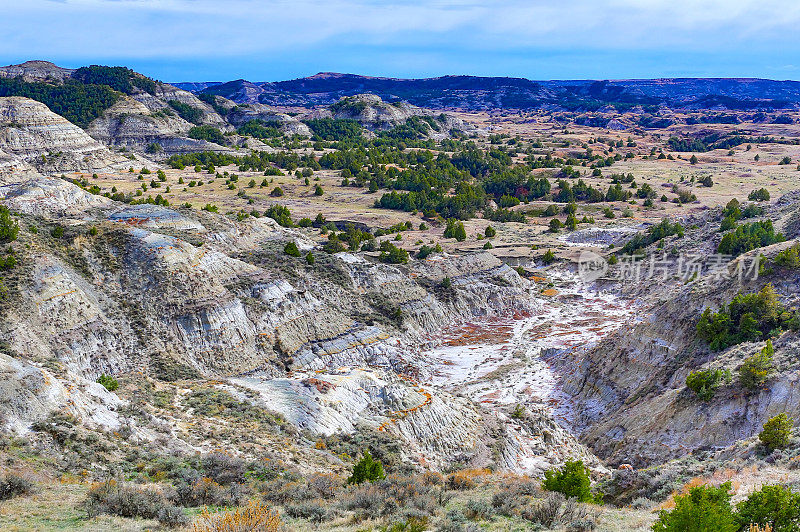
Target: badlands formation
{"points": [[216, 303]]}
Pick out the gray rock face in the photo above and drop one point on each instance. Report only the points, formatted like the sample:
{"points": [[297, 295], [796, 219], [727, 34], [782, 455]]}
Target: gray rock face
{"points": [[142, 298], [51, 197], [630, 403], [256, 111], [36, 71], [375, 114], [132, 123], [31, 393], [141, 119], [33, 136]]}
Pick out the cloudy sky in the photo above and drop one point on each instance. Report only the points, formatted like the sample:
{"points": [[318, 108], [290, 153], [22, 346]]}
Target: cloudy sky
{"points": [[198, 40]]}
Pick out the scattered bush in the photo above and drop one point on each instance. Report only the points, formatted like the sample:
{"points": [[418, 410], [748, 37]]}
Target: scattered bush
{"points": [[652, 235], [756, 370], [455, 229], [313, 510], [478, 510], [366, 470], [788, 258], [291, 249], [109, 382], [8, 227], [224, 468], [777, 432], [425, 251], [280, 214], [748, 317], [705, 382], [762, 194], [555, 510], [392, 254], [777, 507], [749, 236], [13, 485], [127, 500], [254, 516], [572, 480], [704, 508]]}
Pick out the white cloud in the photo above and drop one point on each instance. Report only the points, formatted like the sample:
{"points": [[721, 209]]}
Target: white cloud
{"points": [[236, 28]]}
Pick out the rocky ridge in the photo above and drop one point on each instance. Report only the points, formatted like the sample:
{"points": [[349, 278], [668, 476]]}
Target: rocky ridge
{"points": [[323, 346]]}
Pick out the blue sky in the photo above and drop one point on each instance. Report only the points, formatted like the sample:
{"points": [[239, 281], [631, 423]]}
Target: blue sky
{"points": [[199, 40]]}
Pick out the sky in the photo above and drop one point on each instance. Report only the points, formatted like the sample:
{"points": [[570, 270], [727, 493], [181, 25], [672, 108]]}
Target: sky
{"points": [[220, 40]]}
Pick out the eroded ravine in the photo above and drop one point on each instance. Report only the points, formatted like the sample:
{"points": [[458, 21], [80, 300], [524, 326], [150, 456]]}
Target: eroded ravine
{"points": [[501, 362]]}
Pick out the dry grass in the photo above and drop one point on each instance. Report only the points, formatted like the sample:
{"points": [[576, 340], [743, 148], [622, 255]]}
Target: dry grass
{"points": [[256, 517]]}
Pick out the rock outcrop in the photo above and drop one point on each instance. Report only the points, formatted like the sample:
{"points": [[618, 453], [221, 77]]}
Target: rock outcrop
{"points": [[374, 114], [32, 136]]}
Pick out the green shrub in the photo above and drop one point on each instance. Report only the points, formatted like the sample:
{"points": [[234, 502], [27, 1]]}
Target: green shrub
{"points": [[186, 111], [8, 227], [652, 235], [277, 192], [748, 317], [703, 509], [280, 214], [291, 249], [392, 254], [774, 506], [8, 262], [108, 382], [762, 194], [777, 431], [705, 382], [366, 470], [756, 370], [572, 480], [425, 251], [310, 258], [455, 229], [549, 257], [749, 236], [490, 231], [788, 258]]}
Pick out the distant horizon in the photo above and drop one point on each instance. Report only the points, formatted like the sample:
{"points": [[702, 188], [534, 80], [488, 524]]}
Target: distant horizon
{"points": [[75, 65]]}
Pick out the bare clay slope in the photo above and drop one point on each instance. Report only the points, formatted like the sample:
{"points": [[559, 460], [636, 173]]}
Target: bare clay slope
{"points": [[32, 136], [630, 398], [328, 346]]}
